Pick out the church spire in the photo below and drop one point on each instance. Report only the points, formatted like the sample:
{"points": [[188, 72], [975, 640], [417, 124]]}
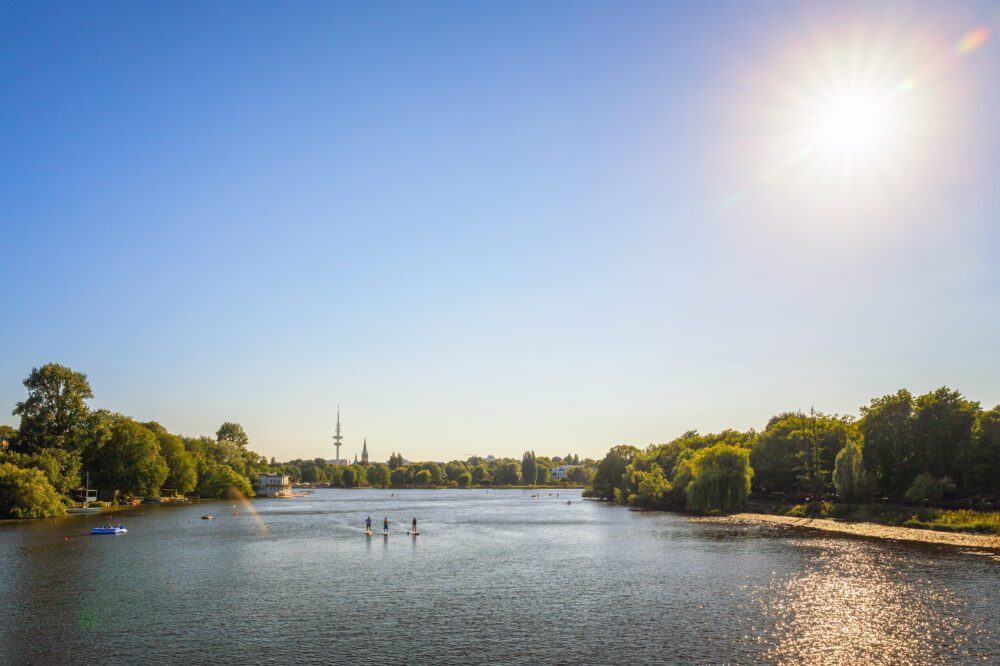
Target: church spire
{"points": [[364, 452]]}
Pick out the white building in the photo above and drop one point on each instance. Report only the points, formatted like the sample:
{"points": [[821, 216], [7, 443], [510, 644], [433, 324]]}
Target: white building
{"points": [[273, 485], [560, 472]]}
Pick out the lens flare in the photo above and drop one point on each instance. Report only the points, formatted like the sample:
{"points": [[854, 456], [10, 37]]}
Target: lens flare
{"points": [[972, 40]]}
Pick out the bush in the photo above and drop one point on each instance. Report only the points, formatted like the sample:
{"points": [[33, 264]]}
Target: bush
{"points": [[27, 493], [923, 489]]}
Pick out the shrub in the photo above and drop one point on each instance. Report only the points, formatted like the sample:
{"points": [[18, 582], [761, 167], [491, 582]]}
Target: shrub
{"points": [[924, 488], [27, 493]]}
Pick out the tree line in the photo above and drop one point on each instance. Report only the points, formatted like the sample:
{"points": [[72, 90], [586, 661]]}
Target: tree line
{"points": [[531, 470], [901, 448], [60, 440]]}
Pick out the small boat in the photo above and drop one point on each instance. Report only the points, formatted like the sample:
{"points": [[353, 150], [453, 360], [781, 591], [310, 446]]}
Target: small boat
{"points": [[83, 509], [208, 517], [152, 500], [108, 530]]}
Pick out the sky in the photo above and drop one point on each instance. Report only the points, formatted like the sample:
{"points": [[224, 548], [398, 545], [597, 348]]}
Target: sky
{"points": [[483, 228]]}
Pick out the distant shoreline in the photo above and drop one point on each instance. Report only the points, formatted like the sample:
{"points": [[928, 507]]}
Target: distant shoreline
{"points": [[864, 529]]}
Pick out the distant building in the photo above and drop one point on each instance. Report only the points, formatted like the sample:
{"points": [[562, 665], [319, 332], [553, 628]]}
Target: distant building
{"points": [[561, 471], [364, 453], [273, 485], [337, 460]]}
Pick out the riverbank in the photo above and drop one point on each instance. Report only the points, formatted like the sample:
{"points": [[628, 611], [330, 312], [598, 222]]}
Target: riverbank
{"points": [[864, 529]]}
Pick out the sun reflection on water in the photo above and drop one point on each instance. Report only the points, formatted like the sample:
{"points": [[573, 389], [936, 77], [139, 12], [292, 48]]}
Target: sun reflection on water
{"points": [[847, 609]]}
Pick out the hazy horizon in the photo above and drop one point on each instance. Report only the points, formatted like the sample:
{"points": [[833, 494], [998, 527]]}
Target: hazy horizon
{"points": [[482, 229]]}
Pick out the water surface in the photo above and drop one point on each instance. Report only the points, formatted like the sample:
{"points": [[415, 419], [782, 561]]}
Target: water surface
{"points": [[495, 577]]}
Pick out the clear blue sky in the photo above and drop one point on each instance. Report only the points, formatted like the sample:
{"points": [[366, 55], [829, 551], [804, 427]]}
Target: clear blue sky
{"points": [[491, 227]]}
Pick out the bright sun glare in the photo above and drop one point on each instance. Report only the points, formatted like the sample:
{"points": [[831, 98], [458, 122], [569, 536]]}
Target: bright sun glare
{"points": [[850, 126]]}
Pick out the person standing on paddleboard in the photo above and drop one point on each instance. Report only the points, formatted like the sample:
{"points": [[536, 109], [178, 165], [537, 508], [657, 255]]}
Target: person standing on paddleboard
{"points": [[414, 530], [368, 524], [385, 525]]}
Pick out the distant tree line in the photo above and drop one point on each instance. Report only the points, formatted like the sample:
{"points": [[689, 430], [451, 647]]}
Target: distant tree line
{"points": [[902, 448], [531, 470], [60, 440]]}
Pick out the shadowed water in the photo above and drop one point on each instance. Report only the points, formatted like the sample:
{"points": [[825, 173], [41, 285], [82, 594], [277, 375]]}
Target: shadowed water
{"points": [[497, 577]]}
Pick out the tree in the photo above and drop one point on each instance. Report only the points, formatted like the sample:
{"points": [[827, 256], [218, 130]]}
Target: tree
{"points": [[796, 452], [480, 474], [651, 488], [721, 477], [398, 477], [608, 481], [543, 475], [222, 481], [508, 474], [350, 477], [233, 433], [529, 468], [60, 467], [395, 461], [26, 493], [464, 480], [423, 478], [980, 460], [54, 414], [130, 461], [887, 427], [848, 471], [182, 474], [942, 427], [378, 475]]}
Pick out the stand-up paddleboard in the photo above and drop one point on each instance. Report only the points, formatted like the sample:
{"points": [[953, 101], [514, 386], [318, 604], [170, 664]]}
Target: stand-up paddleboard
{"points": [[368, 532]]}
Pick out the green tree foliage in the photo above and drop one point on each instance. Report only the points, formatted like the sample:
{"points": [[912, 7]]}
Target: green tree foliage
{"points": [[349, 478], [464, 480], [360, 475], [26, 493], [182, 473], [234, 434], [887, 427], [651, 488], [54, 413], [507, 474], [796, 452], [222, 481], [720, 479], [398, 477], [130, 461], [480, 475], [923, 489], [979, 462], [610, 475], [848, 471], [395, 461], [942, 427], [529, 468], [543, 475], [422, 478], [378, 475]]}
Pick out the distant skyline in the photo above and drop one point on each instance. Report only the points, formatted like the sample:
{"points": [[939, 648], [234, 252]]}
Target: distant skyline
{"points": [[486, 228]]}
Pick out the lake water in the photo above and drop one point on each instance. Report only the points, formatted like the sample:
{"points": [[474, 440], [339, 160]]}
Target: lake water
{"points": [[496, 577]]}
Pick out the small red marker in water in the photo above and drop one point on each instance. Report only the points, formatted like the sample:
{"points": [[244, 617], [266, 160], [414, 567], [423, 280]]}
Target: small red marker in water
{"points": [[65, 538]]}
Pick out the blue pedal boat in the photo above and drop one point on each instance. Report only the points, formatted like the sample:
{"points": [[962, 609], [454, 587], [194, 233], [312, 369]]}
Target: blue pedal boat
{"points": [[108, 530]]}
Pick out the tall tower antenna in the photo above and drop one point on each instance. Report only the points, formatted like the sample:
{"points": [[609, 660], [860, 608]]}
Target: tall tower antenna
{"points": [[337, 437]]}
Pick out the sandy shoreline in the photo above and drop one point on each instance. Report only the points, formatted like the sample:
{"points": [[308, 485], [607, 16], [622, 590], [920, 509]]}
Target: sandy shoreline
{"points": [[870, 530]]}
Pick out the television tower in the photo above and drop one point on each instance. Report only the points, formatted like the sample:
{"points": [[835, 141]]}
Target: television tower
{"points": [[337, 437]]}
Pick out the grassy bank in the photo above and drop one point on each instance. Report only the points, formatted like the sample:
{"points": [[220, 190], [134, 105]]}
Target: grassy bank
{"points": [[942, 520]]}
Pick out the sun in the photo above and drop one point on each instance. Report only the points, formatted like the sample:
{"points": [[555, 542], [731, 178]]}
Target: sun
{"points": [[851, 126]]}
